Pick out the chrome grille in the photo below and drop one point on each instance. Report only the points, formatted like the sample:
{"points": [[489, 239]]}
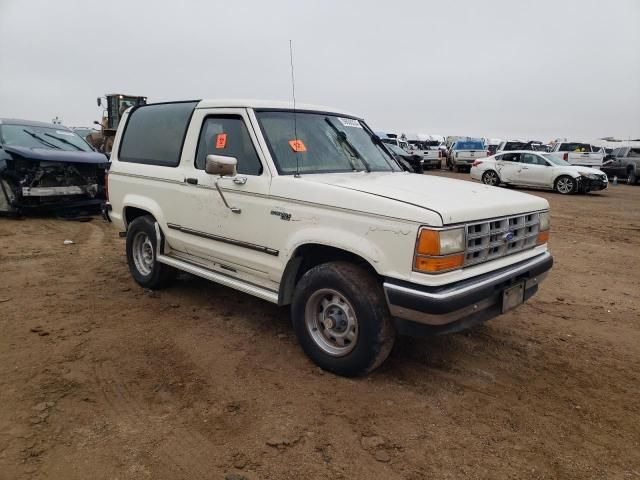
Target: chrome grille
{"points": [[489, 240]]}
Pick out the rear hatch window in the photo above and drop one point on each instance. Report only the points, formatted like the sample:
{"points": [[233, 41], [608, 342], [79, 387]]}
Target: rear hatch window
{"points": [[154, 133]]}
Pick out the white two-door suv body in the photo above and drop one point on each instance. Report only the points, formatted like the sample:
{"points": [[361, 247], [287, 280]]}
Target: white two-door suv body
{"points": [[540, 170], [307, 208]]}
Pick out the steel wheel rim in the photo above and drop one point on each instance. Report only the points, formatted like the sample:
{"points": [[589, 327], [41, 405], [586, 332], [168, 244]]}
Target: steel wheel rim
{"points": [[565, 185], [142, 250], [331, 322], [491, 179]]}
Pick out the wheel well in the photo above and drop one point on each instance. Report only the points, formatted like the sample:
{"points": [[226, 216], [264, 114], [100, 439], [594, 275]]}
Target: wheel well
{"points": [[131, 213], [311, 255]]}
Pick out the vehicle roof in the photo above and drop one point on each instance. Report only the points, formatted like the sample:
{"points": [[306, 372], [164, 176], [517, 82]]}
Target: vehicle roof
{"points": [[32, 123], [271, 104]]}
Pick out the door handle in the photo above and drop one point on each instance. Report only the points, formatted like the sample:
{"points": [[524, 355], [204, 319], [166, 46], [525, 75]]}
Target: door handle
{"points": [[240, 180], [191, 181]]}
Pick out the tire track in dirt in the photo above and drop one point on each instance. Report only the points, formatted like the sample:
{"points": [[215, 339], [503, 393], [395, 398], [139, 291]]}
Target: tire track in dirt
{"points": [[181, 451]]}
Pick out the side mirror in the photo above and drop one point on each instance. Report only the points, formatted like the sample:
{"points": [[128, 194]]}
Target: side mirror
{"points": [[225, 167], [221, 165], [96, 122], [99, 101]]}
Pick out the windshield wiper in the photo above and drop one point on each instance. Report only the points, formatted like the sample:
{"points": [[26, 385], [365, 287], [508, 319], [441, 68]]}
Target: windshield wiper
{"points": [[342, 138], [40, 139], [64, 140]]}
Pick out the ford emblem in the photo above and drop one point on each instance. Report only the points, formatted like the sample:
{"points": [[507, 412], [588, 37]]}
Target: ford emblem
{"points": [[507, 237]]}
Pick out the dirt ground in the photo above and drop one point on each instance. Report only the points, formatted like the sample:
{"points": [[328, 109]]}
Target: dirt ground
{"points": [[102, 380]]}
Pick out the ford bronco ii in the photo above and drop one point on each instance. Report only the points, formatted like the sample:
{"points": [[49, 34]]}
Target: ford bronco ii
{"points": [[307, 208]]}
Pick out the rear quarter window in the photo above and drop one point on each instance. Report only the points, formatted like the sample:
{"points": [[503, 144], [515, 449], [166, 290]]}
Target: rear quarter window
{"points": [[574, 147], [154, 134], [634, 152]]}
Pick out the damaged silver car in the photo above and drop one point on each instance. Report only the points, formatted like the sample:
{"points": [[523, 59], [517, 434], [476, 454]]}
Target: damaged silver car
{"points": [[47, 167]]}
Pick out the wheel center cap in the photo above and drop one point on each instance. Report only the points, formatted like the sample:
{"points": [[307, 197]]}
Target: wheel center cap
{"points": [[329, 322]]}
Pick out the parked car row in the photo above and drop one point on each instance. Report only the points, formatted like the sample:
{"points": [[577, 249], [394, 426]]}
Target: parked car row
{"points": [[462, 153]]}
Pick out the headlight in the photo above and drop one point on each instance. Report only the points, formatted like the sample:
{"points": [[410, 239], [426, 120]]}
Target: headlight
{"points": [[589, 175], [545, 223], [439, 250]]}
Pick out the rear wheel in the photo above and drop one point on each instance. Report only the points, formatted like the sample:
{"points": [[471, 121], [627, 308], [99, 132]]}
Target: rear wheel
{"points": [[632, 179], [142, 245], [565, 185], [341, 319], [490, 178]]}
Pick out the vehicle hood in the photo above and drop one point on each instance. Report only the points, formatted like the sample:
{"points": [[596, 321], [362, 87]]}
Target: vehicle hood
{"points": [[43, 154], [454, 200]]}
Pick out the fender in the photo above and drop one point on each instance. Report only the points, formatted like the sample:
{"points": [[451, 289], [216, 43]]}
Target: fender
{"points": [[144, 203], [375, 245]]}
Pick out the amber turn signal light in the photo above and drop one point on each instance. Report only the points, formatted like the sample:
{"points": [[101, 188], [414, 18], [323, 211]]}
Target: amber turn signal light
{"points": [[543, 237], [439, 264], [428, 243]]}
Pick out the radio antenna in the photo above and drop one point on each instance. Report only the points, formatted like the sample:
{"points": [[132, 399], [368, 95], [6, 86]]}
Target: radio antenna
{"points": [[295, 116]]}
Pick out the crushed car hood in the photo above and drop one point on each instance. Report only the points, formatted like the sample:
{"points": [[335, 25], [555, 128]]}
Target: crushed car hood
{"points": [[454, 200], [43, 154]]}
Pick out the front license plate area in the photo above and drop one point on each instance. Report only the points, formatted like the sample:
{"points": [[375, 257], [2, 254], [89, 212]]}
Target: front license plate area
{"points": [[512, 297]]}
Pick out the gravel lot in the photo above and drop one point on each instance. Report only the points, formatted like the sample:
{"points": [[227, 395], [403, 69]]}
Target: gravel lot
{"points": [[100, 379]]}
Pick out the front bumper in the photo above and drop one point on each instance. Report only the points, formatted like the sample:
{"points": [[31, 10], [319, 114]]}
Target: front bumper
{"points": [[586, 184], [421, 310]]}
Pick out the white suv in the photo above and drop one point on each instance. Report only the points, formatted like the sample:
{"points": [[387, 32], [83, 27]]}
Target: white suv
{"points": [[308, 208]]}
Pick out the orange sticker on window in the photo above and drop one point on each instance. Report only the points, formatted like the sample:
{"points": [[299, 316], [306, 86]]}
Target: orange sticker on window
{"points": [[297, 146], [221, 140]]}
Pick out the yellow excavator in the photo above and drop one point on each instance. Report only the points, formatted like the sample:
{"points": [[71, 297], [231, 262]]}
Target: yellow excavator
{"points": [[114, 105]]}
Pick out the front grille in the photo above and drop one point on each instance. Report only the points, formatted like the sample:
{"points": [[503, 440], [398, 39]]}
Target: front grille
{"points": [[490, 239]]}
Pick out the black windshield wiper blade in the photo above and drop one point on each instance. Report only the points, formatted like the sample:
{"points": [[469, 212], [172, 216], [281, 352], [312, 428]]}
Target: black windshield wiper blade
{"points": [[64, 140], [342, 137], [40, 139]]}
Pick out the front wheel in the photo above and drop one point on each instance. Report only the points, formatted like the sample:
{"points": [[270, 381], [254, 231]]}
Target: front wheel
{"points": [[632, 179], [142, 244], [565, 185], [490, 178], [341, 319]]}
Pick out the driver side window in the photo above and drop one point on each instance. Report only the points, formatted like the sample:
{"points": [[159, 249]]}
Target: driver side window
{"points": [[227, 135]]}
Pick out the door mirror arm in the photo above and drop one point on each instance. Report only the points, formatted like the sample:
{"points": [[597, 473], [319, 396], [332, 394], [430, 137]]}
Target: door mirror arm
{"points": [[225, 167]]}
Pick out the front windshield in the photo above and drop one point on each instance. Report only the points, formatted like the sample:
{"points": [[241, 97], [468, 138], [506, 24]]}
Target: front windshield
{"points": [[395, 149], [556, 161], [48, 138], [324, 143]]}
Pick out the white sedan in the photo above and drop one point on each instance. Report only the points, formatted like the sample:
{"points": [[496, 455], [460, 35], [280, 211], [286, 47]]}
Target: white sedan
{"points": [[536, 169]]}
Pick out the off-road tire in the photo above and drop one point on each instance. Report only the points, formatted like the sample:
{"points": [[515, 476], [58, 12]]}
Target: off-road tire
{"points": [[632, 179], [158, 275], [486, 178], [363, 292], [558, 185]]}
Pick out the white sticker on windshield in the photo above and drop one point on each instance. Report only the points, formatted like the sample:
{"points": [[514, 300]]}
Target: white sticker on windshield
{"points": [[350, 122], [63, 132]]}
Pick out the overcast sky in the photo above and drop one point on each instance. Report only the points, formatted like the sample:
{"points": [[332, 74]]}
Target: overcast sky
{"points": [[496, 68]]}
